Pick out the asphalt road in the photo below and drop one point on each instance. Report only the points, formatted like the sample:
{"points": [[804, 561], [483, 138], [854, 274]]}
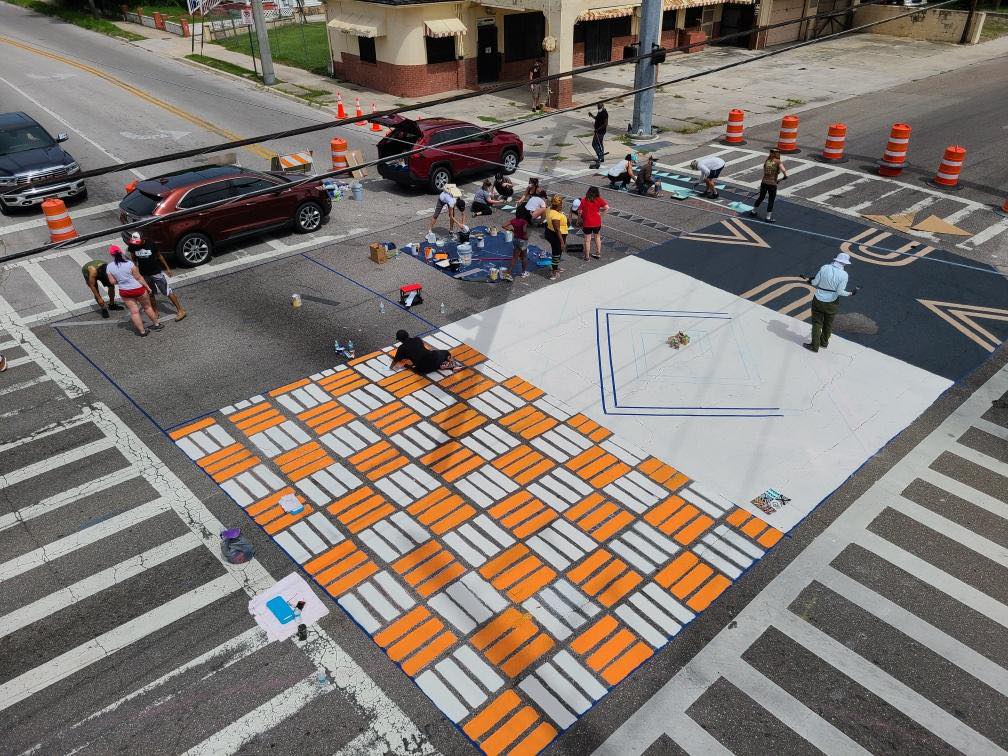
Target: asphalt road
{"points": [[126, 630]]}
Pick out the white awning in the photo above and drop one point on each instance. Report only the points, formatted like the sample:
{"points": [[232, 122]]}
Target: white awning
{"points": [[675, 4], [359, 26], [444, 27], [598, 14]]}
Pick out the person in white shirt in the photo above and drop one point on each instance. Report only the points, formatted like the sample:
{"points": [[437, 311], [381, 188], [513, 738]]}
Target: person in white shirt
{"points": [[536, 207], [449, 200], [710, 168], [621, 174], [831, 284]]}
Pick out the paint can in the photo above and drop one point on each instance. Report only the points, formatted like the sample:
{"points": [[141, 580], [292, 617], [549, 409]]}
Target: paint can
{"points": [[493, 273], [357, 190], [465, 253], [508, 237], [302, 632], [479, 241], [295, 301]]}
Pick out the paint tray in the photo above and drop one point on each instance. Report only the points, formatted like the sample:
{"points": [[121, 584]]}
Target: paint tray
{"points": [[280, 609]]}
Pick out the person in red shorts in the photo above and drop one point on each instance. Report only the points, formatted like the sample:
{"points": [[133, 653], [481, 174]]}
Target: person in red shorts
{"points": [[591, 209], [133, 289]]}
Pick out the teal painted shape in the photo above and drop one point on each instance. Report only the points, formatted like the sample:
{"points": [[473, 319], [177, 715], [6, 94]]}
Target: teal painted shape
{"points": [[740, 207]]}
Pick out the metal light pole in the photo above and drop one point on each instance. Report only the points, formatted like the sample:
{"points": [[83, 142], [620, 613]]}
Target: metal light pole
{"points": [[646, 72], [259, 17]]}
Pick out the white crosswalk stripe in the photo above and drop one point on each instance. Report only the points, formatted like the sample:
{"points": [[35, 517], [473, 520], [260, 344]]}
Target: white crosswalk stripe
{"points": [[830, 569], [72, 541]]}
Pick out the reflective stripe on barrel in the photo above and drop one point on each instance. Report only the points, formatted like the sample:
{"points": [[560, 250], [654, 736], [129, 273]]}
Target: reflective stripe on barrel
{"points": [[61, 227], [787, 141], [896, 149], [836, 136], [951, 165], [735, 127], [338, 146]]}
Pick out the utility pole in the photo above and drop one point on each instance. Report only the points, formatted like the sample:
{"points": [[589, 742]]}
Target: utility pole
{"points": [[646, 72], [269, 78], [969, 23]]}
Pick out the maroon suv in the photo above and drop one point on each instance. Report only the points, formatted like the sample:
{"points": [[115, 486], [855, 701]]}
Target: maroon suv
{"points": [[193, 237], [472, 150]]}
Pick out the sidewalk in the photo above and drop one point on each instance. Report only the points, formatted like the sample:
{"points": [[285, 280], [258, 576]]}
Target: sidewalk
{"points": [[688, 114]]}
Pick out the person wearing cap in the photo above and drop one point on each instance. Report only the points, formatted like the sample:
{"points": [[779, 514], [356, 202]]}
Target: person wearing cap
{"points": [[154, 268], [96, 272], [831, 284], [710, 169], [133, 290]]}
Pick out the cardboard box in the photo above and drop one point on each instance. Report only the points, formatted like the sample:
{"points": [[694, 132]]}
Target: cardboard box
{"points": [[356, 157], [378, 253]]}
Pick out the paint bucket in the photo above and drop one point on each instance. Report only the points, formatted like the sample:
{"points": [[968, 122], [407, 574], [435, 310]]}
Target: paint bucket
{"points": [[357, 190], [295, 300], [479, 242], [508, 236], [431, 237], [493, 273], [465, 253]]}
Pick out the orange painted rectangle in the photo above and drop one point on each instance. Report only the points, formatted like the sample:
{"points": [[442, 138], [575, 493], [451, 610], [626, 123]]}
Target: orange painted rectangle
{"points": [[676, 482], [616, 471], [394, 417], [510, 504], [289, 387], [218, 455], [509, 643], [679, 567], [399, 628], [236, 469], [514, 455], [464, 467], [414, 639], [370, 503], [454, 519], [692, 579], [517, 465], [441, 452], [376, 414], [597, 465], [233, 458], [503, 561], [311, 412], [262, 411], [475, 388], [692, 531], [429, 653], [365, 454], [270, 514], [535, 741], [587, 504], [448, 462], [589, 521], [527, 420], [539, 428], [522, 513], [526, 588], [434, 512], [303, 472], [415, 557], [711, 590], [332, 413], [449, 413], [496, 627], [185, 430], [528, 655], [661, 512], [366, 357], [600, 435], [513, 574], [626, 663], [468, 426], [429, 500], [266, 424], [389, 467], [352, 560], [680, 518], [270, 501], [347, 387], [370, 518], [611, 526], [540, 468], [620, 588], [324, 559], [337, 420], [603, 577], [517, 416], [535, 524], [611, 649], [585, 457], [441, 579], [378, 458], [287, 520], [428, 567], [510, 731], [737, 517], [293, 454], [349, 500], [770, 537], [354, 578], [492, 713], [580, 572], [754, 527], [405, 422], [594, 634], [305, 459]]}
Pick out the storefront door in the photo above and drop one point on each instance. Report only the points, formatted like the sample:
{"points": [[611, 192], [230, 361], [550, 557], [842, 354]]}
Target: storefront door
{"points": [[487, 57], [597, 42]]}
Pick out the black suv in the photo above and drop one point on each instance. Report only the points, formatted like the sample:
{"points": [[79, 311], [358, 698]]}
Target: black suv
{"points": [[29, 155]]}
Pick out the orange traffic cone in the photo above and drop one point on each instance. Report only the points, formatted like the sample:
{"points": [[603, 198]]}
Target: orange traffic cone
{"points": [[61, 227], [374, 125], [359, 114], [340, 110]]}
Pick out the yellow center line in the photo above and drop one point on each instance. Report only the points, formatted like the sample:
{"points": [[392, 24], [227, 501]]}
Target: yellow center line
{"points": [[193, 119]]}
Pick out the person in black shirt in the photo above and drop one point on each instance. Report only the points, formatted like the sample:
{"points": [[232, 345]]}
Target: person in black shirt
{"points": [[601, 119], [414, 353], [503, 185], [153, 267]]}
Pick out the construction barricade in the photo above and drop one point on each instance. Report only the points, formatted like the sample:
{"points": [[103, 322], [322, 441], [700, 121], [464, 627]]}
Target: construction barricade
{"points": [[60, 224], [735, 128], [947, 176], [836, 138], [338, 147], [895, 153], [295, 162], [787, 141]]}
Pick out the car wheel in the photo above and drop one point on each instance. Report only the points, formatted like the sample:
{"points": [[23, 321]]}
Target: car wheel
{"points": [[82, 197], [509, 159], [440, 177], [308, 217], [4, 210], [193, 249]]}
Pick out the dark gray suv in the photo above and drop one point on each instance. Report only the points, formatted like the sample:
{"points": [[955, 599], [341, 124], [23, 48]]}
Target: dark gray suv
{"points": [[29, 155]]}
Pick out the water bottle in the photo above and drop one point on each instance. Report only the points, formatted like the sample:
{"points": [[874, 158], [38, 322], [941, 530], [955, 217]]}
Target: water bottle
{"points": [[350, 350], [322, 678], [337, 346], [381, 306], [444, 310]]}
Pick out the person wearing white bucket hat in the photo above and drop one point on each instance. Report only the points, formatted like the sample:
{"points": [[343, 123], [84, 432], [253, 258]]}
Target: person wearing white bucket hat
{"points": [[831, 284]]}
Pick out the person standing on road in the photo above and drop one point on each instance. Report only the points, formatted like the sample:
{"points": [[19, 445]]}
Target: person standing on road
{"points": [[534, 73], [519, 244], [710, 169], [601, 124], [96, 272], [591, 209], [831, 284], [154, 269], [134, 290], [773, 171], [556, 233]]}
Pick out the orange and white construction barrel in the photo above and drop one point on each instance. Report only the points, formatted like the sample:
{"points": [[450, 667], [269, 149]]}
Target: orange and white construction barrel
{"points": [[787, 140], [894, 157], [836, 138], [338, 146], [1003, 210], [947, 176], [735, 128], [61, 226]]}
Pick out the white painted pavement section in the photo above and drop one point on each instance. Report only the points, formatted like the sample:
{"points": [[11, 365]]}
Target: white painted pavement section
{"points": [[386, 721], [664, 713], [806, 421]]}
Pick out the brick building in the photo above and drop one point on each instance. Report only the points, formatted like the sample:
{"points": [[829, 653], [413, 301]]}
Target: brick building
{"points": [[414, 48]]}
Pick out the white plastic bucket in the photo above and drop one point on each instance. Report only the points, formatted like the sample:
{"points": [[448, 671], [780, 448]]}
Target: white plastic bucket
{"points": [[465, 253]]}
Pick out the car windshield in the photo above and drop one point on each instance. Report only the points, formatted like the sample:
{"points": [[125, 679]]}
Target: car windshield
{"points": [[140, 204], [24, 138]]}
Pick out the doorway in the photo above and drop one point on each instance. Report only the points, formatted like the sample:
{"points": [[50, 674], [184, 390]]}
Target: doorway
{"points": [[597, 37], [487, 56], [736, 19]]}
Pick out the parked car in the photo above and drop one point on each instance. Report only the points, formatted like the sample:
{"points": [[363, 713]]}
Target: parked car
{"points": [[193, 237], [29, 155], [475, 151]]}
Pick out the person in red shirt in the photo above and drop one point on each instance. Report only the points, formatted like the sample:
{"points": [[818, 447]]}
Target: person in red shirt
{"points": [[591, 209], [519, 244]]}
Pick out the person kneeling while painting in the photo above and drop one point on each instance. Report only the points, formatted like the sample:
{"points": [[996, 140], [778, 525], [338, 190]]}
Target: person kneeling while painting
{"points": [[414, 353]]}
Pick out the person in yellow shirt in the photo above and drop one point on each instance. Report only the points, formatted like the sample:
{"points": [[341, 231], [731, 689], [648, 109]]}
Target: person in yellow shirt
{"points": [[556, 233]]}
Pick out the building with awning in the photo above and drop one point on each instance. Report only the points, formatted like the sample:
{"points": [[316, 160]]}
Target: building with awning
{"points": [[416, 48]]}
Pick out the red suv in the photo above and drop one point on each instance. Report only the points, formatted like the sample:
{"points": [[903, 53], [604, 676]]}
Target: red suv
{"points": [[193, 237], [474, 150]]}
